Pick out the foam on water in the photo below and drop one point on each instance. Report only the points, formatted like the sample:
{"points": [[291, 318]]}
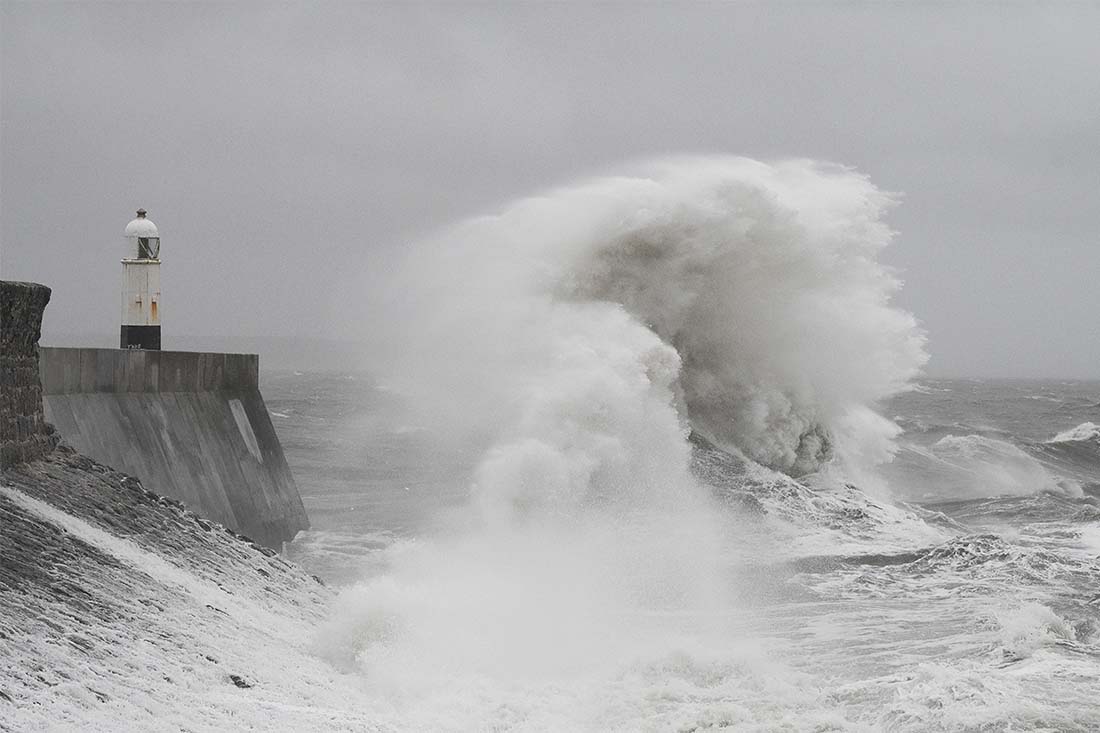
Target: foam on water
{"points": [[979, 466], [997, 468], [1087, 431]]}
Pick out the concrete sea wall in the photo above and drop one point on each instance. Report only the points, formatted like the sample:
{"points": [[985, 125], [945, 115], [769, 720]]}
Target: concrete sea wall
{"points": [[193, 426]]}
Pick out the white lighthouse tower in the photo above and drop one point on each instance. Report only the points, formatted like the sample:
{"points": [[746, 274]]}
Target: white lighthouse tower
{"points": [[141, 285]]}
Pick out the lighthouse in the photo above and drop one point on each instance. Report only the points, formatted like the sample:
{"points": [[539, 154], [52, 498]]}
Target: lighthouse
{"points": [[141, 285]]}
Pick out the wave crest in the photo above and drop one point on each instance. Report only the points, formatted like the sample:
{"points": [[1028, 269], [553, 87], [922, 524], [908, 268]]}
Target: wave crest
{"points": [[583, 335], [762, 278], [1086, 431]]}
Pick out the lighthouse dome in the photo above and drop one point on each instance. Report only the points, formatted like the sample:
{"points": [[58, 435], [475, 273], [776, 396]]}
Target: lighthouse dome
{"points": [[142, 227], [142, 239]]}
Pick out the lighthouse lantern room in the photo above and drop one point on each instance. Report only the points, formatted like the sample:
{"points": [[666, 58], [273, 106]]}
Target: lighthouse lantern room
{"points": [[141, 285]]}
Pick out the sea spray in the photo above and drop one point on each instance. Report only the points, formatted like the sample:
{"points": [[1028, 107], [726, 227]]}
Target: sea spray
{"points": [[581, 335], [977, 466], [763, 277], [990, 467]]}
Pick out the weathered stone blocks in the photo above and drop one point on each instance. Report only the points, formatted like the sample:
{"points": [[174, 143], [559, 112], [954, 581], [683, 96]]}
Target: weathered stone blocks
{"points": [[24, 433]]}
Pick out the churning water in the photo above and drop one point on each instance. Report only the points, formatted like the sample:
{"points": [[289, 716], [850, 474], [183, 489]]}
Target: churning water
{"points": [[968, 601]]}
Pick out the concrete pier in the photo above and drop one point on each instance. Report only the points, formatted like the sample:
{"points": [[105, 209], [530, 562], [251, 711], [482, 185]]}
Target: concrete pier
{"points": [[192, 425]]}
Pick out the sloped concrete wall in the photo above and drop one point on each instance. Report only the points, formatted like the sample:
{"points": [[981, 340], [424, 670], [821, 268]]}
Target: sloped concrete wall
{"points": [[192, 426]]}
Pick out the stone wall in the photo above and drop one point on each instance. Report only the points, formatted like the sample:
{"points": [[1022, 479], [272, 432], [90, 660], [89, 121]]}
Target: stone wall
{"points": [[24, 433]]}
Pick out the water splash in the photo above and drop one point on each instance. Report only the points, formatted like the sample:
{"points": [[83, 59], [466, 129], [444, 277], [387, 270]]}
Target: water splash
{"points": [[581, 335], [749, 292]]}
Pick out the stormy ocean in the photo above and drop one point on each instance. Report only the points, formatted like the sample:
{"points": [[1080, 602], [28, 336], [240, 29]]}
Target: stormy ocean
{"points": [[657, 456], [968, 602], [649, 452]]}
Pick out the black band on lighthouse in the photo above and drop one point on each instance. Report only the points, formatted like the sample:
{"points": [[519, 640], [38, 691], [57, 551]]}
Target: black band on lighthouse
{"points": [[140, 337]]}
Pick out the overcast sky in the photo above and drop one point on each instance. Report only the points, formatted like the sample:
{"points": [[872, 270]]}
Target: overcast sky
{"points": [[287, 152]]}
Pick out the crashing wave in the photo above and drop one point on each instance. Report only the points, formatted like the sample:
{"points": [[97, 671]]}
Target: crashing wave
{"points": [[978, 466], [593, 324], [581, 337], [1086, 431], [822, 517]]}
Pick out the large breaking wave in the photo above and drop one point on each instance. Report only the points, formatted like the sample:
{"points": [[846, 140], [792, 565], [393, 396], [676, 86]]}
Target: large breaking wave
{"points": [[591, 325], [583, 335]]}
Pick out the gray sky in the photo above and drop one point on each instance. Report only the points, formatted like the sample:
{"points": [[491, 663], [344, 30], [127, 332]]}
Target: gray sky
{"points": [[288, 151]]}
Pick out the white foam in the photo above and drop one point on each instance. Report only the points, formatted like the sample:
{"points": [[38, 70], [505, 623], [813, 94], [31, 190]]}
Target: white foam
{"points": [[1030, 626], [760, 281], [984, 466], [1084, 431]]}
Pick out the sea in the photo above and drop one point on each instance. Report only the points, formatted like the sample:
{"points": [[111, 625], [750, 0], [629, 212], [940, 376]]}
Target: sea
{"points": [[651, 451], [966, 599]]}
